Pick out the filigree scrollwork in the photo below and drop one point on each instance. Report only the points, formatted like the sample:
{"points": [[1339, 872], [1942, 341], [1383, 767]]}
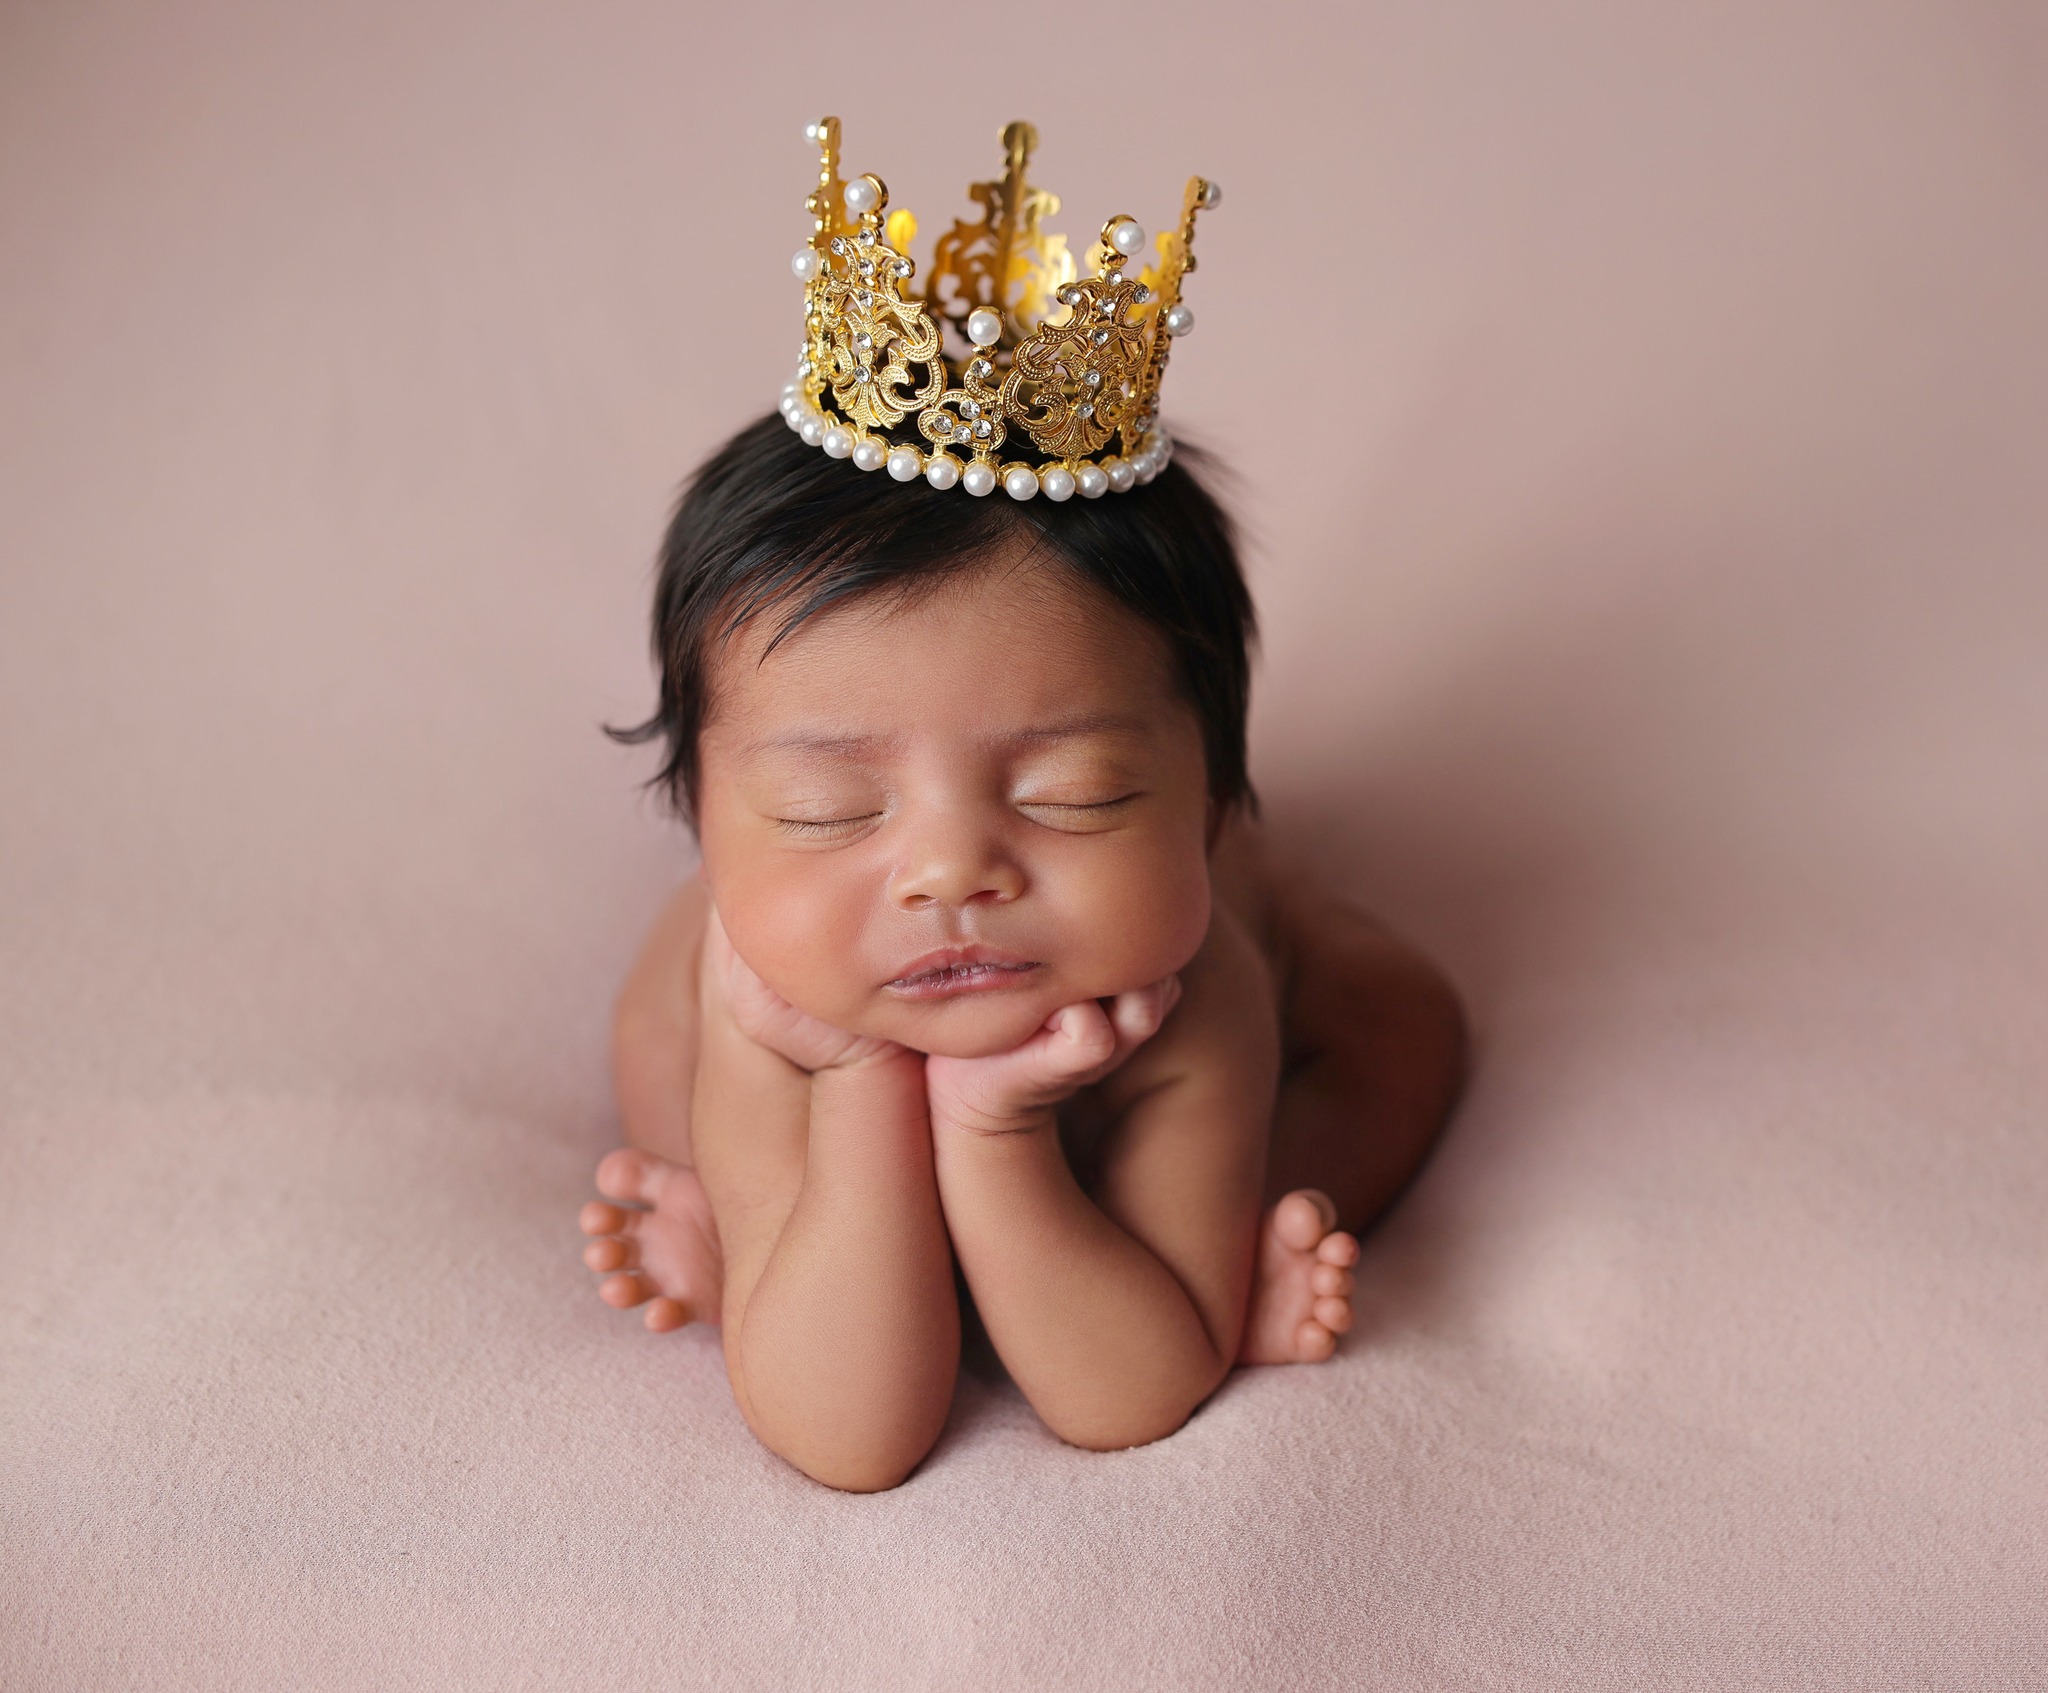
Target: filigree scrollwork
{"points": [[968, 418], [1006, 262], [877, 351], [1074, 384]]}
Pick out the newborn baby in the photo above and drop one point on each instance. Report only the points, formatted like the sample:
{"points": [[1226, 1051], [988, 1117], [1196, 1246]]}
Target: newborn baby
{"points": [[983, 971]]}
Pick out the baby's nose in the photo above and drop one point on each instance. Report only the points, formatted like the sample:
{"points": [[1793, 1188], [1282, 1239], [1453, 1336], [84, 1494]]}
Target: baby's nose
{"points": [[956, 868]]}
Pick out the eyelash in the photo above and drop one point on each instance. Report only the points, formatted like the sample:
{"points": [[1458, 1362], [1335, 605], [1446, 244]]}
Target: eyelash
{"points": [[804, 827]]}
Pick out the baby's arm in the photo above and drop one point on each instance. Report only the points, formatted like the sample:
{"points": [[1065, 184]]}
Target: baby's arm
{"points": [[842, 1330], [1118, 1318]]}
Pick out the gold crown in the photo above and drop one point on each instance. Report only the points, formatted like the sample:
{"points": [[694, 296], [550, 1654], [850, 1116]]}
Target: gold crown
{"points": [[1071, 364]]}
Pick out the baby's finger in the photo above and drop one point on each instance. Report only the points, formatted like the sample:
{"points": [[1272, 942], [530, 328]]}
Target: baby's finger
{"points": [[1082, 1038], [1139, 1014]]}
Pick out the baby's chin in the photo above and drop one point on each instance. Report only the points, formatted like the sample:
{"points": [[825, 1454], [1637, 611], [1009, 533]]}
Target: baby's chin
{"points": [[969, 1026]]}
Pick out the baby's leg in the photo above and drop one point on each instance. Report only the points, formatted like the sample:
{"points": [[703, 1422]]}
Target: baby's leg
{"points": [[666, 1256], [1374, 1056]]}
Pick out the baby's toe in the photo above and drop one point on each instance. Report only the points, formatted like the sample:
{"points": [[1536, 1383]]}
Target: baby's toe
{"points": [[599, 1218], [1325, 1279], [611, 1253], [1313, 1343], [1338, 1248], [1333, 1314], [1303, 1218], [665, 1314], [621, 1291], [630, 1174]]}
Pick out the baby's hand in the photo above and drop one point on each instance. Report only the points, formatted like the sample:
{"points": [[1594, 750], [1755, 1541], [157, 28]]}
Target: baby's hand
{"points": [[1079, 1044], [769, 1020]]}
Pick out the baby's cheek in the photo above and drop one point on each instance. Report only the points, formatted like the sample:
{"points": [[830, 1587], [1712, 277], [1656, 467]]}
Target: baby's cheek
{"points": [[799, 937], [1146, 926]]}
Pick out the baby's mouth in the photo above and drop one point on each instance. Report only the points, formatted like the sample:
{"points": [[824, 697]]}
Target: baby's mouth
{"points": [[960, 971]]}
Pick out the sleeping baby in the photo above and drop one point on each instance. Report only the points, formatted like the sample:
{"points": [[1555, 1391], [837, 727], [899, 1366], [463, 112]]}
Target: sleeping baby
{"points": [[984, 1007]]}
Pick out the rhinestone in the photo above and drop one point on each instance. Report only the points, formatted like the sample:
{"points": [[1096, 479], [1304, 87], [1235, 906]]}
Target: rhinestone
{"points": [[1141, 294], [867, 267], [838, 244], [969, 409], [980, 367], [902, 267], [1105, 307], [866, 238], [863, 341], [1093, 379], [1100, 337], [1070, 296], [1084, 411], [863, 299], [982, 431], [862, 374]]}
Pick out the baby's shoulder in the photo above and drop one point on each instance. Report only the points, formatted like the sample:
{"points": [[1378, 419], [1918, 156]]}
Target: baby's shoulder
{"points": [[1226, 1028]]}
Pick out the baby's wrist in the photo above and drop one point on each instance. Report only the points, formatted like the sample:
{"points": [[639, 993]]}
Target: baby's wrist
{"points": [[990, 1123]]}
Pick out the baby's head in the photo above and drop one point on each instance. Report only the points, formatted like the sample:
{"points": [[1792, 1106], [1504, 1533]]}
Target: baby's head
{"points": [[953, 762]]}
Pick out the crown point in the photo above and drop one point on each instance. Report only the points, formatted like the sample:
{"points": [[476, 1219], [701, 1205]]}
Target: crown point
{"points": [[1212, 194], [813, 130], [978, 480], [984, 328], [1179, 321]]}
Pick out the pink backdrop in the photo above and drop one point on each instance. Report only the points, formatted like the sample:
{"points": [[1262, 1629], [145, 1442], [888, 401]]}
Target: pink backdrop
{"points": [[1637, 415]]}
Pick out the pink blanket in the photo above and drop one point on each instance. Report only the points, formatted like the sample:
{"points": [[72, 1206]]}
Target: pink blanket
{"points": [[1637, 415]]}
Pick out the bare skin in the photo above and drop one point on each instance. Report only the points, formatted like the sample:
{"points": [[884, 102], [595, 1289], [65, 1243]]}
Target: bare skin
{"points": [[1139, 1150]]}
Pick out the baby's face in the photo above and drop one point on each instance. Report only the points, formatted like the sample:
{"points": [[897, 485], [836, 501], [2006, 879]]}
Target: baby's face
{"points": [[940, 821]]}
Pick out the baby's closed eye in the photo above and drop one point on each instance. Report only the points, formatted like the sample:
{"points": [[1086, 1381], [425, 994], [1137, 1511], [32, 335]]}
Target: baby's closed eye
{"points": [[1075, 813]]}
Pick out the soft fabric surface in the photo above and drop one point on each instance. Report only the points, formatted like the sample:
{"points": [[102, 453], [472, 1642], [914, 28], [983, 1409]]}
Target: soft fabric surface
{"points": [[1637, 416]]}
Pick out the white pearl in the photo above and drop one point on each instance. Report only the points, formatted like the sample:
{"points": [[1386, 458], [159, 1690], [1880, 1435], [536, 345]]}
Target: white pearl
{"points": [[1021, 483], [978, 480], [1147, 465], [870, 454], [984, 328], [861, 196], [1179, 321], [1092, 480], [793, 415], [838, 442], [942, 472], [1128, 239], [812, 429], [1212, 194], [812, 131], [1120, 474], [1058, 483], [905, 463], [806, 264]]}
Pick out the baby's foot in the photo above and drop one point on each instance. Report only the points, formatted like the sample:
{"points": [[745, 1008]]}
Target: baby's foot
{"points": [[1301, 1290], [667, 1253]]}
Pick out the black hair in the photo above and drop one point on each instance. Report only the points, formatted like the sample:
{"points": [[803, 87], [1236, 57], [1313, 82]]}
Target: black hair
{"points": [[769, 522]]}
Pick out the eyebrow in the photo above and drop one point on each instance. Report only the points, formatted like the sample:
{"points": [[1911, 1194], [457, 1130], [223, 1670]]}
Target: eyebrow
{"points": [[855, 746]]}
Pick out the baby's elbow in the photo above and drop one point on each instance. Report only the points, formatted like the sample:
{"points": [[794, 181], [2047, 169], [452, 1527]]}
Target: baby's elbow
{"points": [[1118, 1427], [857, 1471]]}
